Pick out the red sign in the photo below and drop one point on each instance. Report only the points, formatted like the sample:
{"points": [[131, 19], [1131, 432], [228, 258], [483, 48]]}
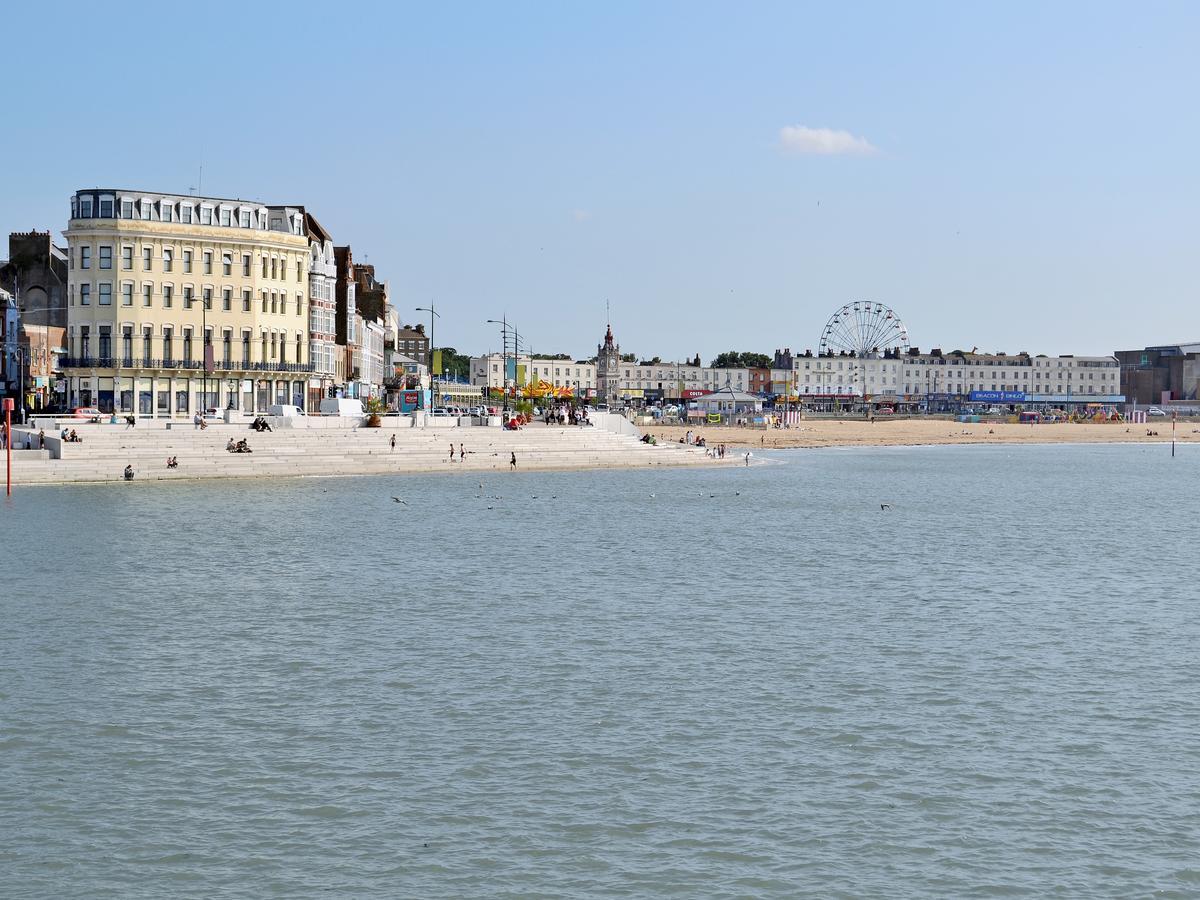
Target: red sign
{"points": [[693, 394]]}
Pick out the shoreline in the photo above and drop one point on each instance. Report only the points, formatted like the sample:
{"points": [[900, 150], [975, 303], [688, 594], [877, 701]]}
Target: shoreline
{"points": [[819, 433]]}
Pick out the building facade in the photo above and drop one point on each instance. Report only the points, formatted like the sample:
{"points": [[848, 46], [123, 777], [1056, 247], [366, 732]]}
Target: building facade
{"points": [[1167, 373], [322, 308], [179, 303], [36, 277], [608, 364]]}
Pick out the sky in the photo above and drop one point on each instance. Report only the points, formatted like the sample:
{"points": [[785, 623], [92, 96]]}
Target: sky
{"points": [[1008, 176]]}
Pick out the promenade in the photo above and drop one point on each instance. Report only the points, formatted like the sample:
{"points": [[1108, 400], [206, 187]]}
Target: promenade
{"points": [[328, 451]]}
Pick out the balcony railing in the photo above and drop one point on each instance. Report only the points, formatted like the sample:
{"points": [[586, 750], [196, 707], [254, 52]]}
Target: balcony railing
{"points": [[195, 365]]}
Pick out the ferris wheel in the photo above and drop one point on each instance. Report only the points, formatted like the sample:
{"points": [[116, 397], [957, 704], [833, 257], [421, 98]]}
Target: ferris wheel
{"points": [[864, 329]]}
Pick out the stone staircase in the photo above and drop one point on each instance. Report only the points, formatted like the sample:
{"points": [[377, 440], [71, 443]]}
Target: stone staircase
{"points": [[294, 452]]}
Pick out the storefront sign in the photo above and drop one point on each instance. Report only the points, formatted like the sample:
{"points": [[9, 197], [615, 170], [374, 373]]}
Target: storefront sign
{"points": [[998, 396]]}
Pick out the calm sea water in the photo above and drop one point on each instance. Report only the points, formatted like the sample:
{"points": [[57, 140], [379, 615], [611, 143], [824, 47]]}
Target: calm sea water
{"points": [[753, 683]]}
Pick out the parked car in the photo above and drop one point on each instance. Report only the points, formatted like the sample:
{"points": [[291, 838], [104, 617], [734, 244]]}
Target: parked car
{"points": [[87, 412], [342, 406], [885, 411], [285, 410], [440, 412], [1155, 411]]}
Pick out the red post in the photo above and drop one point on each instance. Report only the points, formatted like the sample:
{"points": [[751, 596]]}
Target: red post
{"points": [[8, 408]]}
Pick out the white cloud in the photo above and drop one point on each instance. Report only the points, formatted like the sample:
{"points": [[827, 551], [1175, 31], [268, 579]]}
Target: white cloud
{"points": [[580, 215], [823, 141]]}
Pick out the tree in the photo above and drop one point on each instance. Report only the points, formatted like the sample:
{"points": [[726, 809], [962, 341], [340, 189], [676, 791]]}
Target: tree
{"points": [[454, 364], [657, 361], [732, 359], [628, 357]]}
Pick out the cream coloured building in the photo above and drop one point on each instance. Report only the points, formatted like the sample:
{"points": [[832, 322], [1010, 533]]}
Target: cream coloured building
{"points": [[154, 279]]}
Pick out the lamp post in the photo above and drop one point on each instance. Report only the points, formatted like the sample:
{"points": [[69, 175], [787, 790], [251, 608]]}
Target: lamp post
{"points": [[433, 314], [505, 330]]}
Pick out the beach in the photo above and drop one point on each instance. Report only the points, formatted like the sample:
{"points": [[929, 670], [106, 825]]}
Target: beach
{"points": [[885, 432]]}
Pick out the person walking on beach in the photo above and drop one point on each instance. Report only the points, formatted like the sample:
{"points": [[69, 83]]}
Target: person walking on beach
{"points": [[42, 439], [747, 457], [462, 454], [452, 451], [393, 443], [512, 463]]}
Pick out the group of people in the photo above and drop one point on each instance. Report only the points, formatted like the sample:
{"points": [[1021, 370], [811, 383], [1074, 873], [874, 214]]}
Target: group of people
{"points": [[462, 454], [71, 437], [717, 452], [238, 446], [198, 421], [567, 415], [260, 425], [172, 462]]}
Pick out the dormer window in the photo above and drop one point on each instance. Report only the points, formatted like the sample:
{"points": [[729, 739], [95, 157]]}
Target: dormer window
{"points": [[206, 212], [85, 207], [147, 209], [126, 208], [165, 209], [106, 206], [185, 213], [244, 218], [226, 216]]}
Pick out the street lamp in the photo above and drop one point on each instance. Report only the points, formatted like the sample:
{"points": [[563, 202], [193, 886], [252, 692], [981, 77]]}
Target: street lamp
{"points": [[505, 330], [432, 381]]}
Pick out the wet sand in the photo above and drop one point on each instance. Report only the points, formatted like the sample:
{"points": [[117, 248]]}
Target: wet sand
{"points": [[906, 432]]}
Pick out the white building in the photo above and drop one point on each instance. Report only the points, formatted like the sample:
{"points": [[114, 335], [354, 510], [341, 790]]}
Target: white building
{"points": [[322, 311]]}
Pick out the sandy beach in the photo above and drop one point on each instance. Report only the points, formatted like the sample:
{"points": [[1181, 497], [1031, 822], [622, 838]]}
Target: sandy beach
{"points": [[906, 432]]}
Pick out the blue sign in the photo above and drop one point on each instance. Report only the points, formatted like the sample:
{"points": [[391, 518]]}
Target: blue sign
{"points": [[998, 396]]}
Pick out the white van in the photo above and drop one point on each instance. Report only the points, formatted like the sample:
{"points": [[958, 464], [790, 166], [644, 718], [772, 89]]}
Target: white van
{"points": [[286, 411], [342, 406]]}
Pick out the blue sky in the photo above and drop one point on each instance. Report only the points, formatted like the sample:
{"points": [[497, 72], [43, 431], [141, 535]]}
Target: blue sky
{"points": [[1011, 176]]}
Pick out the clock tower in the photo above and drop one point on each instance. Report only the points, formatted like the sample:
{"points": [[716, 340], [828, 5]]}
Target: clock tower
{"points": [[608, 369]]}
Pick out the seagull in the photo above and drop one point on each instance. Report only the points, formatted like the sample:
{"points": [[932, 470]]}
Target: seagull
{"points": [[885, 506], [398, 500], [651, 496]]}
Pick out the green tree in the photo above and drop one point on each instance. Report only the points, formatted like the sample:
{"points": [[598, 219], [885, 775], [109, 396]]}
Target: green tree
{"points": [[628, 357], [732, 359], [454, 364]]}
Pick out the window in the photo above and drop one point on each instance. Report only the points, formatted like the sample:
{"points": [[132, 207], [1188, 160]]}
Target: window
{"points": [[227, 263], [166, 351], [106, 257], [106, 208], [85, 257], [299, 304], [208, 298], [246, 300], [127, 293], [164, 209], [187, 296], [84, 335], [264, 274], [145, 259], [168, 254], [126, 209], [227, 299], [167, 291], [282, 350], [227, 348], [300, 270], [85, 207], [273, 263], [187, 345], [226, 217], [244, 218], [264, 301], [127, 344], [85, 295], [127, 258], [246, 264], [274, 303], [106, 342], [147, 210], [147, 349], [105, 294], [187, 261], [246, 348], [298, 348], [185, 213], [147, 290], [205, 215], [207, 262]]}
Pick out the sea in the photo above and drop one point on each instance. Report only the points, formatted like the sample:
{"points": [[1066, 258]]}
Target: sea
{"points": [[891, 672]]}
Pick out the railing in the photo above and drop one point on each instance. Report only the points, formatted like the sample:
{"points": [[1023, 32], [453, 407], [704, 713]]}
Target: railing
{"points": [[219, 365]]}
